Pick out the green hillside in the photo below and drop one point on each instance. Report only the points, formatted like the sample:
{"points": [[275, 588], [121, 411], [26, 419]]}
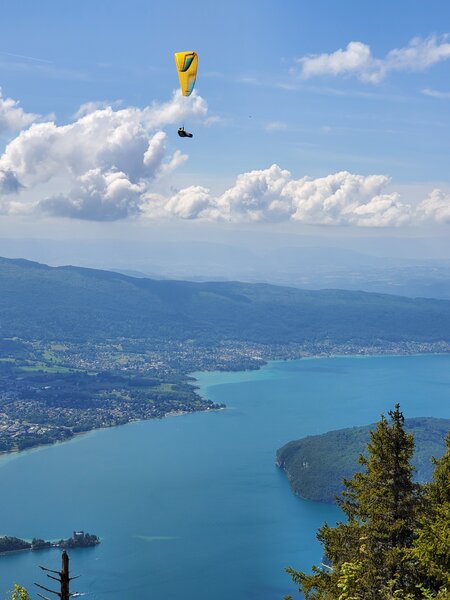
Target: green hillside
{"points": [[316, 465], [41, 302]]}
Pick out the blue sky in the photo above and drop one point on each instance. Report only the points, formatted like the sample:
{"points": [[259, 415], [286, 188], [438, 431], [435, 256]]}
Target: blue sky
{"points": [[278, 84]]}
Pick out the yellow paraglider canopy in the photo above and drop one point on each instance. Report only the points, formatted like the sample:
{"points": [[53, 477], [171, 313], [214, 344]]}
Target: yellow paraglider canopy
{"points": [[187, 63]]}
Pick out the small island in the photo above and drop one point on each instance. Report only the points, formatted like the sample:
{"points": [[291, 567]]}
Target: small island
{"points": [[316, 465], [79, 539]]}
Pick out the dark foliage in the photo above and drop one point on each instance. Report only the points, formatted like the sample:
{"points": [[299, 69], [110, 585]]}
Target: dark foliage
{"points": [[41, 302], [317, 465], [393, 543]]}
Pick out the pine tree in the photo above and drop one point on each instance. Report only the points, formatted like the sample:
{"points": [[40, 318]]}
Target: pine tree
{"points": [[368, 554], [432, 547]]}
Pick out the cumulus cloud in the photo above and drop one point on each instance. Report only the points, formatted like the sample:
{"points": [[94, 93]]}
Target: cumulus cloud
{"points": [[89, 107], [107, 157], [257, 196], [357, 59], [98, 196], [12, 116], [176, 110], [344, 198], [107, 161], [190, 203], [435, 208], [273, 195]]}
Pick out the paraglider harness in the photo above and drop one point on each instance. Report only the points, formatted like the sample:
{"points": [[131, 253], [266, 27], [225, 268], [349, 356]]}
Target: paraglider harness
{"points": [[183, 133]]}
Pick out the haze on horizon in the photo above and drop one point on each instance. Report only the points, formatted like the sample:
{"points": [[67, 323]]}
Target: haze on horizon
{"points": [[321, 140]]}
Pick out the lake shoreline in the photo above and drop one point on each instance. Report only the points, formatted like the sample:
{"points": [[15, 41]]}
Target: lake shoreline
{"points": [[257, 367], [207, 482], [81, 434]]}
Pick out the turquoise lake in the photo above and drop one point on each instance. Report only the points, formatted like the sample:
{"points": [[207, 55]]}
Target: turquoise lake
{"points": [[193, 507]]}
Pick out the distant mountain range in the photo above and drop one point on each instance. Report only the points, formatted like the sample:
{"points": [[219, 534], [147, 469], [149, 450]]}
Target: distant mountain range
{"points": [[73, 303], [311, 265]]}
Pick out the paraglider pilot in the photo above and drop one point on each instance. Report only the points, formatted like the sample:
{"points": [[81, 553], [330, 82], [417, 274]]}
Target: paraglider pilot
{"points": [[186, 63], [183, 133]]}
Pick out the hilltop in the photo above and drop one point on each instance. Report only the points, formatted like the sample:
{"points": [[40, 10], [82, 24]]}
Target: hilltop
{"points": [[316, 465]]}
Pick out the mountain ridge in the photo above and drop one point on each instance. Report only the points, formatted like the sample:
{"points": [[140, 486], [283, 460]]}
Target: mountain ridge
{"points": [[81, 303]]}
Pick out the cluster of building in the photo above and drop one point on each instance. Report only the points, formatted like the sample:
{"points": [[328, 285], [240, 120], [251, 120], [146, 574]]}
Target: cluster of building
{"points": [[31, 412]]}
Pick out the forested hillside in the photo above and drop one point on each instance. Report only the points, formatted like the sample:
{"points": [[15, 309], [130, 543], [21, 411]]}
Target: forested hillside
{"points": [[391, 542], [71, 303], [317, 465]]}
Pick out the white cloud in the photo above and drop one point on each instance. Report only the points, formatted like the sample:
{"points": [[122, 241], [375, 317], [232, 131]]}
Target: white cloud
{"points": [[89, 107], [436, 93], [97, 196], [357, 59], [107, 157], [178, 108], [193, 202], [346, 199], [272, 195], [178, 158], [257, 196], [189, 203], [106, 161], [275, 126], [435, 208], [420, 54], [12, 116]]}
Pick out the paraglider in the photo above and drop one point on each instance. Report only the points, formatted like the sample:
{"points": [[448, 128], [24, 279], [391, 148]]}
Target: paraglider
{"points": [[186, 63]]}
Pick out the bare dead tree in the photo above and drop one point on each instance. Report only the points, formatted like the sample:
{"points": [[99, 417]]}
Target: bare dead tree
{"points": [[62, 577]]}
